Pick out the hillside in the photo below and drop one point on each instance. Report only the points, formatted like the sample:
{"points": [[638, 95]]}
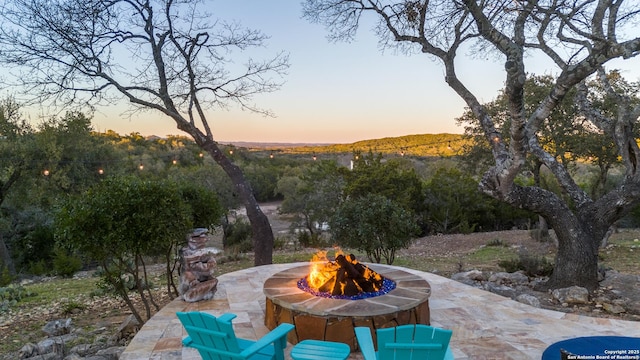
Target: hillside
{"points": [[414, 145]]}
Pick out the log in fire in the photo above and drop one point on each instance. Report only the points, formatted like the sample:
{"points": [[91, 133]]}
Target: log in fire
{"points": [[344, 277]]}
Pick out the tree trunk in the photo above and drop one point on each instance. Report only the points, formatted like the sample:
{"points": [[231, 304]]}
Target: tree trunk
{"points": [[260, 227], [5, 258], [576, 260], [542, 232]]}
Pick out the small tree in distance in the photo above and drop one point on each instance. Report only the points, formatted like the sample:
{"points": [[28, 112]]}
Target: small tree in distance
{"points": [[373, 224]]}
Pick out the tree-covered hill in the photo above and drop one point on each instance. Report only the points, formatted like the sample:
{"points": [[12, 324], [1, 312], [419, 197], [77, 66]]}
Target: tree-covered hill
{"points": [[415, 145]]}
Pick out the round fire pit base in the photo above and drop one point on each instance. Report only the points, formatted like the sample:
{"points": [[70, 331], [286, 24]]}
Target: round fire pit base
{"points": [[329, 319]]}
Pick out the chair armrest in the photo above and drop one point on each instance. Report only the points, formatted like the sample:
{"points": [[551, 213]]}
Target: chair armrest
{"points": [[187, 341], [227, 317], [365, 341], [273, 336]]}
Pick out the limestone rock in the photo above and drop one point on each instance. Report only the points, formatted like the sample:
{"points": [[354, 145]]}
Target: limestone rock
{"points": [[573, 295], [509, 278], [613, 308], [57, 327], [503, 290], [528, 299], [128, 327], [473, 275]]}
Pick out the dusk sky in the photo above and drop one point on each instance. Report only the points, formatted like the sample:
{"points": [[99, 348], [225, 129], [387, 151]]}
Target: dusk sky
{"points": [[334, 92], [337, 92]]}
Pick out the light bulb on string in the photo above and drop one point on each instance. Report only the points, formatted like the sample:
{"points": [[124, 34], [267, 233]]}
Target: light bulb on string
{"points": [[45, 172]]}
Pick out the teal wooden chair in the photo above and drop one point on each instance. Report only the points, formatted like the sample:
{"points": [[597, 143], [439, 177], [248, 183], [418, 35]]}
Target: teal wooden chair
{"points": [[406, 342], [215, 338]]}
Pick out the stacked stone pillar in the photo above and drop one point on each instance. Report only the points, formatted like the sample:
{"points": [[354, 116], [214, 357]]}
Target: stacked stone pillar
{"points": [[198, 265]]}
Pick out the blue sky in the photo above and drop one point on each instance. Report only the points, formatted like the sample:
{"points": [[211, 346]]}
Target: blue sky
{"points": [[336, 92]]}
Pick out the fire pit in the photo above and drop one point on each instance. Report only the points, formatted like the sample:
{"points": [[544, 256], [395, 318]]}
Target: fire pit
{"points": [[320, 315]]}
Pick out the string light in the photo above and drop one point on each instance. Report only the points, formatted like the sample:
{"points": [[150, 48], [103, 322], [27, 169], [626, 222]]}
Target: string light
{"points": [[403, 152]]}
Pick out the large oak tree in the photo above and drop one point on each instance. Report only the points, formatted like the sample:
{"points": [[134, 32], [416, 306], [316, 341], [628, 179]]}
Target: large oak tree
{"points": [[580, 37], [168, 56]]}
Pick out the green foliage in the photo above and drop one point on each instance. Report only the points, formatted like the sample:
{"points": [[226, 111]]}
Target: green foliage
{"points": [[65, 264], [311, 240], [423, 145], [238, 237], [497, 242], [5, 275], [532, 265], [11, 295], [206, 210], [70, 307], [29, 236], [453, 202], [371, 175], [373, 224], [38, 268], [280, 243], [122, 220], [311, 194], [263, 178], [455, 205]]}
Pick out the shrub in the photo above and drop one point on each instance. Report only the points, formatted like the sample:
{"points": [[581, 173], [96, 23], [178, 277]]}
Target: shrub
{"points": [[38, 268], [71, 307], [64, 264], [313, 240], [374, 224], [531, 265], [14, 293], [238, 236], [5, 276], [279, 243], [497, 242]]}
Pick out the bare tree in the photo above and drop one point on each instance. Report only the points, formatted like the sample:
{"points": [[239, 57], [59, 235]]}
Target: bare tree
{"points": [[579, 37], [168, 56]]}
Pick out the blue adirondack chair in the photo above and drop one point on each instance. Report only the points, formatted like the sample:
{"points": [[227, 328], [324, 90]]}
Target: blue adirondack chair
{"points": [[215, 338], [406, 342]]}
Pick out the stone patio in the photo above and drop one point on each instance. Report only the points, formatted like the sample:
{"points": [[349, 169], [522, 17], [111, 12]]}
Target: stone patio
{"points": [[485, 325]]}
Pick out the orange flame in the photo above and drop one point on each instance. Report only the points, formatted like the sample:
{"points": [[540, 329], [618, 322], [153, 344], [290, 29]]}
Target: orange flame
{"points": [[323, 272]]}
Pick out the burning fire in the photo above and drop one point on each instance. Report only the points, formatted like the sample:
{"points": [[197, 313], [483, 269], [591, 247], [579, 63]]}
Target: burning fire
{"points": [[344, 276]]}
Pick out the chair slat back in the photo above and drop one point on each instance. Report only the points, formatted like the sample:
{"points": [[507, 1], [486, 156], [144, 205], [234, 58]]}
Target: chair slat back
{"points": [[412, 342], [214, 338]]}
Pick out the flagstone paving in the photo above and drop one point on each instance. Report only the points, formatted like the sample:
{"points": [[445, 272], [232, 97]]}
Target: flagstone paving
{"points": [[485, 326]]}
